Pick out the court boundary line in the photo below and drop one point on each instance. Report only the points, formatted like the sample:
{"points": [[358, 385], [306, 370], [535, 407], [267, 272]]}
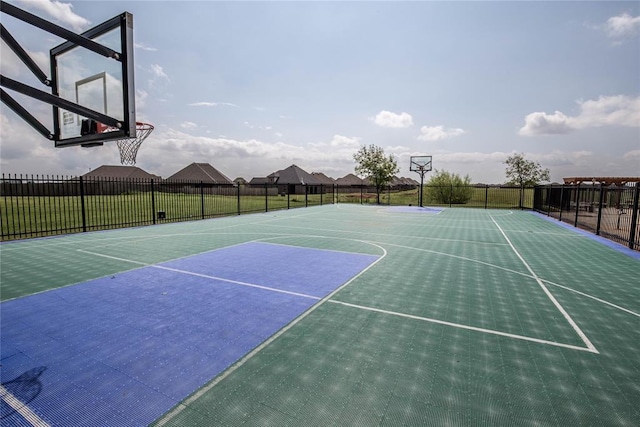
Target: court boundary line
{"points": [[467, 327], [165, 418], [21, 408], [555, 302]]}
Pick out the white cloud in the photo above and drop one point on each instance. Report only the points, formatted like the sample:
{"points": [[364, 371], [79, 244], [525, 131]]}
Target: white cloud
{"points": [[212, 104], [168, 151], [188, 125], [388, 119], [622, 26], [61, 12], [540, 123], [633, 154], [618, 110], [345, 142], [141, 98], [158, 71], [143, 46], [436, 133], [157, 75]]}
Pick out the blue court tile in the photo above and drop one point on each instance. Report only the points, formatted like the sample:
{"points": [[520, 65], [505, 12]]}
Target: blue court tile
{"points": [[122, 350], [309, 271]]}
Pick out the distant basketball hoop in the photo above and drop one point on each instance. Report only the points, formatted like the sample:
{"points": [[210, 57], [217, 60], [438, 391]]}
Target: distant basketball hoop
{"points": [[422, 165], [128, 146]]}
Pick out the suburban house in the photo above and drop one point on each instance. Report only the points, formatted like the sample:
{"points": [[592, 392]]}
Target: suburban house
{"points": [[200, 172], [120, 172], [292, 180], [351, 180]]}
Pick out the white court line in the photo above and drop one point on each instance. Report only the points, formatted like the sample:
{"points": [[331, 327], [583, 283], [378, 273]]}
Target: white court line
{"points": [[235, 282], [113, 257], [593, 298], [470, 328], [183, 405], [22, 408], [514, 272], [549, 295]]}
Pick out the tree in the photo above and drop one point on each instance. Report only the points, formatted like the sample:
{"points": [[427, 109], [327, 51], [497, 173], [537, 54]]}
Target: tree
{"points": [[448, 188], [523, 172], [373, 165]]}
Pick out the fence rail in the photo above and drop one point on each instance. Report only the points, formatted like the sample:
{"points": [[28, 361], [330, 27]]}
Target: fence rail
{"points": [[608, 211], [38, 206]]}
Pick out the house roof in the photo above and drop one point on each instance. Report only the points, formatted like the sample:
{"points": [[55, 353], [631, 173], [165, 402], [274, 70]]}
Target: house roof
{"points": [[351, 179], [324, 179], [295, 175], [201, 172], [259, 180], [108, 171]]}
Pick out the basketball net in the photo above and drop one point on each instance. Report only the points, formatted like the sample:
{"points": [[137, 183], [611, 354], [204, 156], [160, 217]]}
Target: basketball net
{"points": [[128, 147]]}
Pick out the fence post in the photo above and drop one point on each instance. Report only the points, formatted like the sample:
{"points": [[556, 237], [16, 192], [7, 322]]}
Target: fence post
{"points": [[321, 191], [266, 198], [288, 199], [450, 194], [561, 201], [306, 198], [238, 195], [549, 192], [634, 216], [575, 223], [202, 199], [600, 205], [153, 203], [486, 195], [82, 207]]}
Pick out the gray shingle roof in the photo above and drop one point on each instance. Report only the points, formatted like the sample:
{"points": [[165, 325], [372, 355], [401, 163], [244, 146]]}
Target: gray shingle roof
{"points": [[295, 175], [351, 179], [121, 172], [201, 172]]}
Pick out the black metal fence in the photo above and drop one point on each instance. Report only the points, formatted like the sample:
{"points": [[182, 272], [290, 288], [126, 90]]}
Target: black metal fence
{"points": [[37, 206], [609, 211]]}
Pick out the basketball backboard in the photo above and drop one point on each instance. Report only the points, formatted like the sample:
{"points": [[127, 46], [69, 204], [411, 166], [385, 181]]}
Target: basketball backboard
{"points": [[420, 164], [91, 87], [102, 84]]}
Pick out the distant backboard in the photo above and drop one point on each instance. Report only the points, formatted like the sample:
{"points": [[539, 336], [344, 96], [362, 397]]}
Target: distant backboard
{"points": [[102, 84], [420, 164]]}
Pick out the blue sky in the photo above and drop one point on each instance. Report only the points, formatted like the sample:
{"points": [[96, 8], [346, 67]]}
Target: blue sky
{"points": [[253, 87]]}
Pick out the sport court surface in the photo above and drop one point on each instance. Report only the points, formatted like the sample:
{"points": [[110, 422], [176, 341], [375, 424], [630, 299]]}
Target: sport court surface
{"points": [[332, 315]]}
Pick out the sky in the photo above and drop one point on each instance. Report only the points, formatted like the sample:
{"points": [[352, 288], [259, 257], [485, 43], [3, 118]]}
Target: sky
{"points": [[253, 87]]}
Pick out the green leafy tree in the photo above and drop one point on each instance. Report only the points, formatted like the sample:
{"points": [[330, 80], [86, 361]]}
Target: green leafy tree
{"points": [[372, 164], [449, 188], [523, 172]]}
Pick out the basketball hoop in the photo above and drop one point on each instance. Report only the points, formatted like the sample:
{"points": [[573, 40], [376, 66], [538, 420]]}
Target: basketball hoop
{"points": [[129, 146]]}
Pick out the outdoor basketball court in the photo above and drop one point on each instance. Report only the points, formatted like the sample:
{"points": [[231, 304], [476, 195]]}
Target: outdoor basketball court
{"points": [[332, 315]]}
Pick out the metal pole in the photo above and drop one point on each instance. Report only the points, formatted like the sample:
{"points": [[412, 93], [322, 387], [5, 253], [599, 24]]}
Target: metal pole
{"points": [[421, 188], [238, 196], [577, 202], [600, 205], [153, 203], [84, 215], [634, 216], [202, 199]]}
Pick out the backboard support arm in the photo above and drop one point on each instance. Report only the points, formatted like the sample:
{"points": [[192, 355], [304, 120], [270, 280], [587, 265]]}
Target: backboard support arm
{"points": [[54, 29], [24, 56], [24, 114], [58, 101]]}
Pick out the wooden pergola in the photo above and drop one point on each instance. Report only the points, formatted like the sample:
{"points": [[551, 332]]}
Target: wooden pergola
{"points": [[608, 180]]}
